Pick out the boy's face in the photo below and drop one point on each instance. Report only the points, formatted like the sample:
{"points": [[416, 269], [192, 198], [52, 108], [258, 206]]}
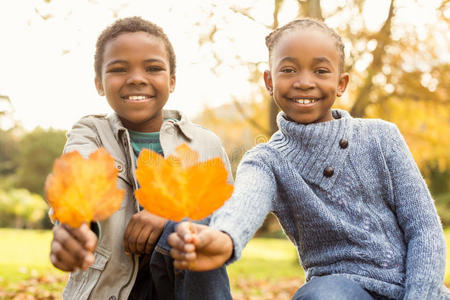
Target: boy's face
{"points": [[136, 79], [305, 78]]}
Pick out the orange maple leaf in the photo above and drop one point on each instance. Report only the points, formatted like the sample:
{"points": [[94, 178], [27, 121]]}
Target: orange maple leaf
{"points": [[81, 190], [180, 186]]}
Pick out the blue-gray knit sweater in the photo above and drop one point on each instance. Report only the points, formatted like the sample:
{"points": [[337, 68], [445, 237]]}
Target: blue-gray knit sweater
{"points": [[349, 195]]}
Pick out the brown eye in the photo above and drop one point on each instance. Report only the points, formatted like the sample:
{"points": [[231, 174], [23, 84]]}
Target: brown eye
{"points": [[322, 71], [287, 70], [116, 70], [154, 69]]}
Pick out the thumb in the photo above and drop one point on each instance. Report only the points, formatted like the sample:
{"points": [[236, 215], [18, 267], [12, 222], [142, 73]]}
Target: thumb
{"points": [[203, 236], [86, 236]]}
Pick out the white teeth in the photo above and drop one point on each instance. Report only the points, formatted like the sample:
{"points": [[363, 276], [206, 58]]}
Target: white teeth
{"points": [[305, 101], [136, 98]]}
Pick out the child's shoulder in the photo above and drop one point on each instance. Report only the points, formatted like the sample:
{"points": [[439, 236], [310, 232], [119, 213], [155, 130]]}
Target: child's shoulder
{"points": [[264, 153], [89, 122], [378, 127], [192, 131]]}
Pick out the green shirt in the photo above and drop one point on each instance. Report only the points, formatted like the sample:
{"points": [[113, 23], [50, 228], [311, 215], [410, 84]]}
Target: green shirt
{"points": [[147, 140]]}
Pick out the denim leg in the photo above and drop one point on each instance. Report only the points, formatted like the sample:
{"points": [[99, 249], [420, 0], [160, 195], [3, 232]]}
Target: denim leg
{"points": [[209, 285], [331, 288], [171, 283]]}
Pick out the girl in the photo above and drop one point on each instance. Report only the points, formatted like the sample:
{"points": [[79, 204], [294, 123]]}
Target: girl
{"points": [[346, 191], [128, 256]]}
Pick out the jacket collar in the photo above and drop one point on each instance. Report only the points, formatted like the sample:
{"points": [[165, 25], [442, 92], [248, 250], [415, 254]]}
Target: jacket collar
{"points": [[182, 123]]}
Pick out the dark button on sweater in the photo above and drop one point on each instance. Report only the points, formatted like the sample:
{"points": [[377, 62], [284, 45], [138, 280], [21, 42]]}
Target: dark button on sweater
{"points": [[343, 143], [328, 172]]}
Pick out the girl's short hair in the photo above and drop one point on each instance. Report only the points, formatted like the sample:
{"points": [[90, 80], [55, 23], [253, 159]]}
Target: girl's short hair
{"points": [[275, 35], [131, 24]]}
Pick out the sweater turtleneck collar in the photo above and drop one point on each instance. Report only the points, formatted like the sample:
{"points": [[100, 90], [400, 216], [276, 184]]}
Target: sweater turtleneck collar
{"points": [[315, 147]]}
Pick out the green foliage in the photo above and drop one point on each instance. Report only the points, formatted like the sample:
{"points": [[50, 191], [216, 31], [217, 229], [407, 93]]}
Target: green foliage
{"points": [[443, 208], [37, 151], [21, 209], [8, 148]]}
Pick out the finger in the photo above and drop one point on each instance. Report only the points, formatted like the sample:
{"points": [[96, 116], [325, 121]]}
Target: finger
{"points": [[74, 247], [143, 239], [181, 264], [126, 236], [86, 236], [133, 236], [61, 259], [180, 255], [184, 229], [151, 242], [175, 241]]}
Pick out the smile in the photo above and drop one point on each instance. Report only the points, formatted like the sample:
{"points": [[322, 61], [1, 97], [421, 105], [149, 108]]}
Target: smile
{"points": [[136, 98], [304, 100]]}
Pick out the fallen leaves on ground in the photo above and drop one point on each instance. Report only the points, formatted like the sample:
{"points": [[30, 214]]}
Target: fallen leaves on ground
{"points": [[81, 190], [180, 186], [49, 287], [40, 287], [264, 289]]}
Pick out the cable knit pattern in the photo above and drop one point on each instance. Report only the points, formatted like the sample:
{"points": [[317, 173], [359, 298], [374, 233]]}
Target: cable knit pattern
{"points": [[373, 220]]}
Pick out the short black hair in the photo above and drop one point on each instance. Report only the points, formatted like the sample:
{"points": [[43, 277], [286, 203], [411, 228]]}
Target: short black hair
{"points": [[275, 35], [131, 24]]}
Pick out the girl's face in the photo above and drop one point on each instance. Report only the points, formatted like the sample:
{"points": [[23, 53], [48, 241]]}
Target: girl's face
{"points": [[136, 79], [304, 78]]}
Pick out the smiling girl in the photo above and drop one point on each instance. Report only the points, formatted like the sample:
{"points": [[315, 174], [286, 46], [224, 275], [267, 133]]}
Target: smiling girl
{"points": [[346, 191]]}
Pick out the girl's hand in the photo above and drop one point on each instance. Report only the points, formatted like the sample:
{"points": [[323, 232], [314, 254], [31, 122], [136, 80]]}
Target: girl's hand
{"points": [[199, 248], [143, 232], [72, 248]]}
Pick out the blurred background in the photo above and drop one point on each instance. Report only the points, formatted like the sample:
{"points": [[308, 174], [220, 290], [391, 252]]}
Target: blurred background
{"points": [[397, 54]]}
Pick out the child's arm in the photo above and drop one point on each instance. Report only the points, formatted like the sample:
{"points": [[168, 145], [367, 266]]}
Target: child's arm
{"points": [[143, 232], [234, 224], [72, 248], [205, 250], [417, 216]]}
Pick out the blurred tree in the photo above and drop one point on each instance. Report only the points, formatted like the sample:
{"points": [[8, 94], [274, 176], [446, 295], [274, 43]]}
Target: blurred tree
{"points": [[398, 67], [37, 151], [21, 209], [8, 148]]}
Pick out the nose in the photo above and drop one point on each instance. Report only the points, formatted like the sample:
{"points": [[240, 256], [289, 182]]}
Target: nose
{"points": [[137, 78], [303, 81]]}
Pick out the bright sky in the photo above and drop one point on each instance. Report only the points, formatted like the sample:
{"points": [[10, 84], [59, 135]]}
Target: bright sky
{"points": [[46, 66]]}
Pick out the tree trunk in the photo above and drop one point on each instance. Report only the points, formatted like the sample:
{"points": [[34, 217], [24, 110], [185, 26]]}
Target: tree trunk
{"points": [[383, 39], [310, 9], [273, 109]]}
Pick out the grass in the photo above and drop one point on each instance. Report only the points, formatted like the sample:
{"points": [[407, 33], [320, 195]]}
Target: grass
{"points": [[24, 254], [265, 258]]}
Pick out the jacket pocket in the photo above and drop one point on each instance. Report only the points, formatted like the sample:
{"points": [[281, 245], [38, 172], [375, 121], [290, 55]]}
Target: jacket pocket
{"points": [[81, 283]]}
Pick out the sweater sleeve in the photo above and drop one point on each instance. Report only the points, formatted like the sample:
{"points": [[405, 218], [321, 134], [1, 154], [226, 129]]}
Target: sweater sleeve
{"points": [[417, 216], [245, 211]]}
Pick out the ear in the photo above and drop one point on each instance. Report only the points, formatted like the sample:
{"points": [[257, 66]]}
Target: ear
{"points": [[173, 80], [99, 86], [268, 81], [342, 84]]}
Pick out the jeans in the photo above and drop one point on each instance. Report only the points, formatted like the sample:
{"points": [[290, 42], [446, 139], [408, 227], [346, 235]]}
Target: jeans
{"points": [[332, 287], [170, 283]]}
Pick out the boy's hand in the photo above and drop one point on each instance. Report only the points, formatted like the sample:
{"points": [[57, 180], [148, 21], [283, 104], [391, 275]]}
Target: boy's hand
{"points": [[199, 248], [72, 248], [143, 232]]}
